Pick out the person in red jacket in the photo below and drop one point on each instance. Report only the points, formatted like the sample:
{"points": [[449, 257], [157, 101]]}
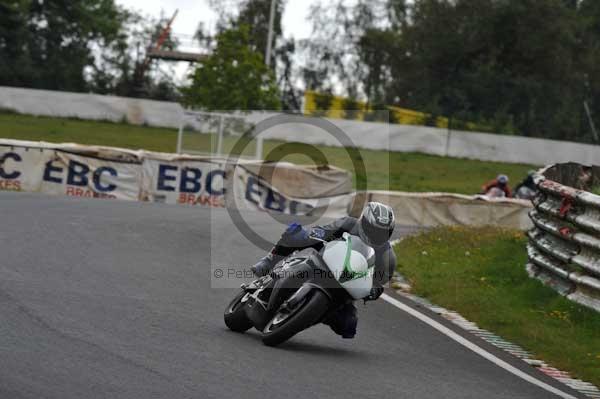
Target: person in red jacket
{"points": [[501, 183]]}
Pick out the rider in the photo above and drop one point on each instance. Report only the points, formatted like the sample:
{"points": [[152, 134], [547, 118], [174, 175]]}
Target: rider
{"points": [[500, 182], [374, 226], [527, 188]]}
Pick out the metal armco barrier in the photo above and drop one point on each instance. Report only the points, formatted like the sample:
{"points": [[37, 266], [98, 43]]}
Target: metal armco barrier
{"points": [[564, 244]]}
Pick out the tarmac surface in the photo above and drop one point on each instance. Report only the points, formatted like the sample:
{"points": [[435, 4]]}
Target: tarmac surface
{"points": [[109, 299]]}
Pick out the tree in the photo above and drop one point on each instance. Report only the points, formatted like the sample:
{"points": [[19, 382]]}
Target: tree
{"points": [[233, 77], [15, 59], [120, 68], [49, 44], [79, 45], [513, 66], [289, 93], [478, 59], [589, 42], [350, 47], [255, 15]]}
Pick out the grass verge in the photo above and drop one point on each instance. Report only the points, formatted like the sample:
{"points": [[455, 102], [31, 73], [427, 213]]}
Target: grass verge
{"points": [[480, 273], [385, 170]]}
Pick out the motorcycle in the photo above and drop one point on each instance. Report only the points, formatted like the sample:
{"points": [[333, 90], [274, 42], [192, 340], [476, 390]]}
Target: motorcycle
{"points": [[303, 290], [495, 192], [525, 193]]}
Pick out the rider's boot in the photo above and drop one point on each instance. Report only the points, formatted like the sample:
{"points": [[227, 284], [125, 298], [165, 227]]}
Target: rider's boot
{"points": [[343, 321], [266, 264]]}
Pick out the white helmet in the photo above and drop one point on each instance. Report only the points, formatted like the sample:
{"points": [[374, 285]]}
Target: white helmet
{"points": [[376, 224]]}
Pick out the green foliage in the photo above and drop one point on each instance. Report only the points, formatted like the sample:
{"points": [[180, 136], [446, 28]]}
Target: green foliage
{"points": [[79, 45], [255, 14], [48, 44], [121, 71], [351, 108], [233, 77], [515, 66], [66, 130], [480, 272], [323, 103]]}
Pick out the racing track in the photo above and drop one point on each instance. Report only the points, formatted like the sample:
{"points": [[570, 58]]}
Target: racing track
{"points": [[103, 299]]}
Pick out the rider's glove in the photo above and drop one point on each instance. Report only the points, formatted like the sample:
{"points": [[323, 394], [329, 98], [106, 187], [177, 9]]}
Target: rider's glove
{"points": [[375, 293], [321, 234]]}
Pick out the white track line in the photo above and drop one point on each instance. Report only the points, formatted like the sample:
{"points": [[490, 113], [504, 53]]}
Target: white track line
{"points": [[480, 351]]}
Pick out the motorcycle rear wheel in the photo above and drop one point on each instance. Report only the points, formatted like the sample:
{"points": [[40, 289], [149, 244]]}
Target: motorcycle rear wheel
{"points": [[235, 314], [284, 326]]}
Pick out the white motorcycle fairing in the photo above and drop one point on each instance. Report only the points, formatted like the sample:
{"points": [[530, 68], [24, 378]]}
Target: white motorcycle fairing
{"points": [[352, 263]]}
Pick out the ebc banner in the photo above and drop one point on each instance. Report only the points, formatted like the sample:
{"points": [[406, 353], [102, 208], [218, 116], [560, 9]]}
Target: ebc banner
{"points": [[252, 192], [92, 177], [190, 182], [21, 168]]}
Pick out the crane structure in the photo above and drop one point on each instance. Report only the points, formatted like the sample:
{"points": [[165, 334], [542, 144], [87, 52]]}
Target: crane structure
{"points": [[156, 51]]}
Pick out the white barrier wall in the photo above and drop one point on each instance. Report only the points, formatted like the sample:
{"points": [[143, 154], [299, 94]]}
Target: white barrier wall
{"points": [[519, 149], [368, 135], [91, 106], [445, 209], [435, 141]]}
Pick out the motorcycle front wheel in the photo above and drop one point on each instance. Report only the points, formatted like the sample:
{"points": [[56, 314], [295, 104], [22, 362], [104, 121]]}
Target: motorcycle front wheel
{"points": [[235, 314], [289, 322]]}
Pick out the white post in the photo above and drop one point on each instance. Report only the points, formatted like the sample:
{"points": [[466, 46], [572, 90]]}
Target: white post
{"points": [[180, 136], [259, 148], [270, 34], [590, 120], [220, 142]]}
